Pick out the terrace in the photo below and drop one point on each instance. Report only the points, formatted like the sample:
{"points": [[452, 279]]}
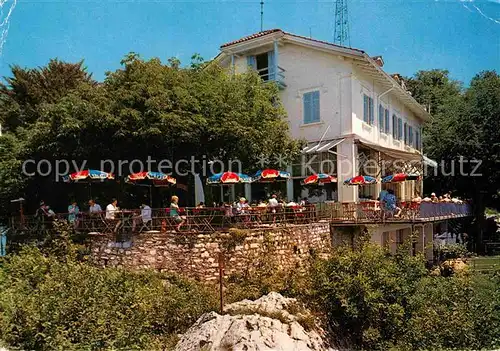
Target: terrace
{"points": [[211, 220]]}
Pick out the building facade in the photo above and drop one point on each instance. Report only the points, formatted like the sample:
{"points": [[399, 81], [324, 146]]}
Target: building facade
{"points": [[341, 102], [354, 117]]}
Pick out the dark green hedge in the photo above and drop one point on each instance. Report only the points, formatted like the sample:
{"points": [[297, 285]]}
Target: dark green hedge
{"points": [[48, 304]]}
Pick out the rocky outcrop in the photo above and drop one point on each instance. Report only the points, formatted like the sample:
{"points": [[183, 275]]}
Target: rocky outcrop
{"points": [[271, 322]]}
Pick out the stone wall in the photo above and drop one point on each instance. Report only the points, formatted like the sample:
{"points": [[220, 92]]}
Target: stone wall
{"points": [[196, 255]]}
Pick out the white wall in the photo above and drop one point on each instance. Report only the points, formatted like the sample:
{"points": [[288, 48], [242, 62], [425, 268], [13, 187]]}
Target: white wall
{"points": [[308, 70], [361, 85], [341, 87]]}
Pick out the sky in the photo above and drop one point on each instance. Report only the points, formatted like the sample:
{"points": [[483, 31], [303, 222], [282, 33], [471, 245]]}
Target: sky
{"points": [[461, 36]]}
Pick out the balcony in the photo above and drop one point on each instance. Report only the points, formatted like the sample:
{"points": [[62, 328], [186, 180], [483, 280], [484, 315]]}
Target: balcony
{"points": [[269, 75]]}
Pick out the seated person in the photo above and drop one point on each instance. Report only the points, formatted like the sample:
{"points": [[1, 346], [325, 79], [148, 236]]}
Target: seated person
{"points": [[434, 198], [241, 206], [145, 216], [94, 208], [201, 205], [111, 210], [417, 198], [390, 203], [175, 213]]}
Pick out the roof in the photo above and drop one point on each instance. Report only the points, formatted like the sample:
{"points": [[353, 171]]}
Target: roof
{"points": [[363, 62], [251, 36], [277, 30]]}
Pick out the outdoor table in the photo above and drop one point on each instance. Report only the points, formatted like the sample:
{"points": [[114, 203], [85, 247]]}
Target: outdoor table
{"points": [[201, 218], [256, 213]]}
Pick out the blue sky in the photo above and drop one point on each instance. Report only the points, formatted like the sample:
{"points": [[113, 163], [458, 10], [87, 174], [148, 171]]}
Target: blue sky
{"points": [[461, 36]]}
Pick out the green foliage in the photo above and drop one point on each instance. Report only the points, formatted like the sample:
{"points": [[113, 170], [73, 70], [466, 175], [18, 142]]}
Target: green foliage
{"points": [[234, 238], [48, 304], [376, 301], [145, 108], [450, 251], [465, 125]]}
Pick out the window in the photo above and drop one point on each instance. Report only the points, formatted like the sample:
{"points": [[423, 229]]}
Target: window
{"points": [[418, 139], [410, 135], [400, 129], [264, 64], [405, 135], [387, 121], [311, 107], [383, 119], [368, 115], [394, 127]]}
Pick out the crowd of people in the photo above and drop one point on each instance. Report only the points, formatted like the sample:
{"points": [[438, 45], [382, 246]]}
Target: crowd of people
{"points": [[44, 214]]}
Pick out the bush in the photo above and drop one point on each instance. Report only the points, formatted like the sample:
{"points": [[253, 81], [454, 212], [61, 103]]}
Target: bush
{"points": [[48, 304], [377, 301], [450, 252]]}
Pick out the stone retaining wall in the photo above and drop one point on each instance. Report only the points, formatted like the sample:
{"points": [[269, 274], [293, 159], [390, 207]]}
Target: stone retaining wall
{"points": [[196, 255]]}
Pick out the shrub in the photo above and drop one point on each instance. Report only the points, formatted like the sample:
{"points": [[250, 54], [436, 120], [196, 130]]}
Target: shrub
{"points": [[376, 301], [450, 251], [48, 304]]}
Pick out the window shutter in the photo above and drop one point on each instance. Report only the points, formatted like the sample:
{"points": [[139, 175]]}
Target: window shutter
{"points": [[372, 113], [315, 106], [381, 118], [251, 61], [410, 135], [400, 129], [387, 121], [307, 107], [365, 108], [394, 127], [405, 133]]}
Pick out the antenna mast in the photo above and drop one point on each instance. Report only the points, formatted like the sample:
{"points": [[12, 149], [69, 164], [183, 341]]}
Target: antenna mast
{"points": [[341, 33], [261, 15]]}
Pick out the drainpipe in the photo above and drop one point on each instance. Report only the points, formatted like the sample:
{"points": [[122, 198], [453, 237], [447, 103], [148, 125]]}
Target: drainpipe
{"points": [[341, 77], [276, 77]]}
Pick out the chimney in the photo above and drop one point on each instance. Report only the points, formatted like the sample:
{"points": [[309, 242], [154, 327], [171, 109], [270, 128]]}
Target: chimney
{"points": [[379, 60]]}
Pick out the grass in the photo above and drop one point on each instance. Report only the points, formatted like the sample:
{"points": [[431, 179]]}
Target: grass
{"points": [[485, 263]]}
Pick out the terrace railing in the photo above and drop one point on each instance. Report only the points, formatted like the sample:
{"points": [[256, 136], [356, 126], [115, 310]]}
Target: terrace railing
{"points": [[201, 220], [371, 211], [209, 220]]}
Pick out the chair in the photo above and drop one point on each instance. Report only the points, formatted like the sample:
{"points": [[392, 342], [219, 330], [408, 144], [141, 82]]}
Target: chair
{"points": [[146, 225]]}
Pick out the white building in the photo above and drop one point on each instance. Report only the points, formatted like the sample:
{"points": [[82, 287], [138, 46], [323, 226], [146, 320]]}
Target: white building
{"points": [[339, 100], [348, 110]]}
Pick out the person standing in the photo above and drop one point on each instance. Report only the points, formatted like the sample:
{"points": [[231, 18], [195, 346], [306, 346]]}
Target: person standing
{"points": [[3, 240], [391, 203], [273, 203], [73, 211]]}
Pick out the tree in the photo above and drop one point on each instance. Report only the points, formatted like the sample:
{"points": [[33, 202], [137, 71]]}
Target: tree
{"points": [[147, 108], [463, 133], [28, 90]]}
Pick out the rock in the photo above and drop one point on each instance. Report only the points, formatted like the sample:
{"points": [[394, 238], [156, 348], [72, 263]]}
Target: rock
{"points": [[264, 324]]}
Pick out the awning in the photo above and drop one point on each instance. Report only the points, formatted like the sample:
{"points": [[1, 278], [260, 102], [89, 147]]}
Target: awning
{"points": [[397, 154], [322, 146], [429, 162]]}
